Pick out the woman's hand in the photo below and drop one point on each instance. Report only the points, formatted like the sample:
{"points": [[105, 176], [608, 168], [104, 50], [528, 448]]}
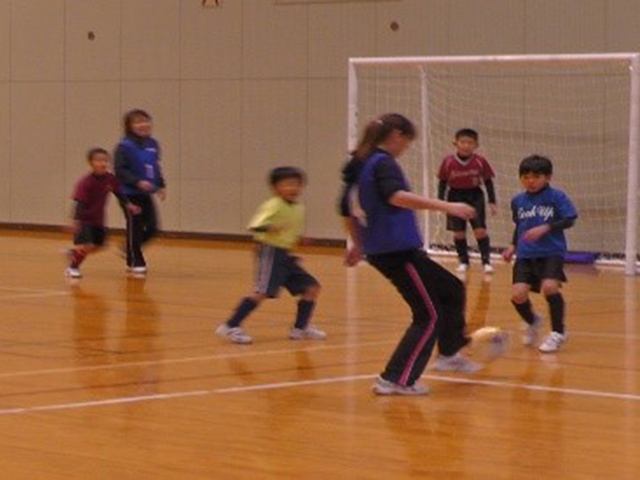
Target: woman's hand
{"points": [[145, 186], [162, 194], [353, 256], [461, 210], [507, 253]]}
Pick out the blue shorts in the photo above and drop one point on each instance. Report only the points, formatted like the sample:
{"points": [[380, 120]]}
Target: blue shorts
{"points": [[277, 268]]}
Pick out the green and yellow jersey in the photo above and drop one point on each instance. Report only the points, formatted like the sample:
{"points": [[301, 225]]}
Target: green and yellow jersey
{"points": [[278, 223]]}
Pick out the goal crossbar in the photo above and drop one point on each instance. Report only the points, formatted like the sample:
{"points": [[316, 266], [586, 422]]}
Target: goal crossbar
{"points": [[441, 60]]}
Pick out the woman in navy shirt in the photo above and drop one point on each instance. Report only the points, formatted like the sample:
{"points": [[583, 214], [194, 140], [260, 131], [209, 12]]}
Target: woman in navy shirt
{"points": [[379, 210]]}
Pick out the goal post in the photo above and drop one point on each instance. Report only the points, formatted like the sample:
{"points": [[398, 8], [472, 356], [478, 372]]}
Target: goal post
{"points": [[631, 240], [583, 111]]}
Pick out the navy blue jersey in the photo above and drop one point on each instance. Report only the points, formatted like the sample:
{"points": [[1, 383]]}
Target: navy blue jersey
{"points": [[138, 159], [384, 228], [530, 210]]}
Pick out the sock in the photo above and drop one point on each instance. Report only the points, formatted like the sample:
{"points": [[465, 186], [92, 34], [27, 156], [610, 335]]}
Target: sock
{"points": [[484, 245], [525, 311], [305, 309], [556, 310], [242, 311], [462, 249], [77, 257]]}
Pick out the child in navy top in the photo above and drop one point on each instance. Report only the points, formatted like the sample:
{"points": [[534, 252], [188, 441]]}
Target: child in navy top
{"points": [[137, 166], [541, 214], [382, 225], [462, 175], [90, 196]]}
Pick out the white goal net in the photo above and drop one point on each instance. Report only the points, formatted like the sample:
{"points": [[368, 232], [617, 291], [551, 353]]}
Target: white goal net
{"points": [[579, 110]]}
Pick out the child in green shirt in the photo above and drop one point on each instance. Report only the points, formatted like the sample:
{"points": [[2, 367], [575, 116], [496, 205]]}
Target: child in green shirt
{"points": [[277, 226]]}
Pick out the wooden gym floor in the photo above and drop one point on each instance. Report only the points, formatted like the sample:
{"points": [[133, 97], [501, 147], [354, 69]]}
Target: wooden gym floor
{"points": [[122, 378]]}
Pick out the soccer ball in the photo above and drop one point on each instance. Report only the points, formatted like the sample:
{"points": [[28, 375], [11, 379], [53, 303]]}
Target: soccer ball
{"points": [[489, 343]]}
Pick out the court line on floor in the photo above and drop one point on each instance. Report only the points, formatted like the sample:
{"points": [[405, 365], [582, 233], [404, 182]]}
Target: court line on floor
{"points": [[52, 293], [304, 383], [27, 289], [439, 378], [536, 388], [101, 403], [299, 383], [204, 358], [223, 356], [29, 292]]}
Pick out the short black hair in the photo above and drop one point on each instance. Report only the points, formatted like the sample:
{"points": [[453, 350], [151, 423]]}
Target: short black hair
{"points": [[92, 152], [536, 164], [283, 173], [467, 132]]}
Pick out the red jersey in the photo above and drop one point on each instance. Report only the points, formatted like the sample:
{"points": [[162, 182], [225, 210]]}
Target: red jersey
{"points": [[465, 175], [91, 193]]}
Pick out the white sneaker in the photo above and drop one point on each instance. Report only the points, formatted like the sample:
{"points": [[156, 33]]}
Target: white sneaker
{"points": [[487, 268], [309, 333], [456, 363], [73, 272], [531, 332], [385, 387], [234, 334], [462, 268], [137, 270], [552, 342]]}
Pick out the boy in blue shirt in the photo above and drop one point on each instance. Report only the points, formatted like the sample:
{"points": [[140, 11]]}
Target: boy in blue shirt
{"points": [[541, 214]]}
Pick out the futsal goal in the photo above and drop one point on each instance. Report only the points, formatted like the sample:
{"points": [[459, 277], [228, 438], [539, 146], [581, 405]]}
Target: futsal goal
{"points": [[582, 111]]}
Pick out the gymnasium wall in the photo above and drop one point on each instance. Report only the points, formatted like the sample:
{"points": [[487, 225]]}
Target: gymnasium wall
{"points": [[234, 90]]}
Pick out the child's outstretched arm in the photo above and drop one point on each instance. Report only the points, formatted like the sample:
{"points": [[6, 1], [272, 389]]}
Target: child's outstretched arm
{"points": [[123, 169], [263, 220], [353, 255], [405, 199], [124, 202], [491, 195], [442, 189], [509, 252], [540, 231], [76, 212]]}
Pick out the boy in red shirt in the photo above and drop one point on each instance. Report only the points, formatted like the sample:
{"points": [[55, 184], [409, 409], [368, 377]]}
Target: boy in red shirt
{"points": [[463, 174], [90, 196]]}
